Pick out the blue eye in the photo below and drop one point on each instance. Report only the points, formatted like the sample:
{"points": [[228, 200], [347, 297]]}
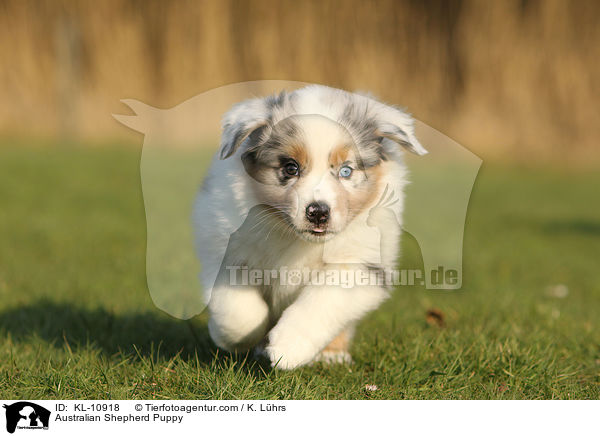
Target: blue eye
{"points": [[345, 172]]}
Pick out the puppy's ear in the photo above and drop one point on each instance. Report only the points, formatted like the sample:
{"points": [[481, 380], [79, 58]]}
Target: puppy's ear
{"points": [[245, 118], [241, 120], [395, 124]]}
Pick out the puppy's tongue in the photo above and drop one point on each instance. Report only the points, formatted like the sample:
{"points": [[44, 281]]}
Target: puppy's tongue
{"points": [[317, 230]]}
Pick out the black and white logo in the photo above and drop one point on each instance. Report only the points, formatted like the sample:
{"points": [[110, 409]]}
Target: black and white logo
{"points": [[26, 415]]}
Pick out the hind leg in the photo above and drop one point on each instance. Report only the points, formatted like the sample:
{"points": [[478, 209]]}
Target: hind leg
{"points": [[338, 350]]}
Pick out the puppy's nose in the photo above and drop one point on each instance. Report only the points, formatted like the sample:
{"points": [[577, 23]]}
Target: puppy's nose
{"points": [[317, 212]]}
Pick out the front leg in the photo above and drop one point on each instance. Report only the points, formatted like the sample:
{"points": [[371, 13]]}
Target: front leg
{"points": [[318, 315], [239, 317]]}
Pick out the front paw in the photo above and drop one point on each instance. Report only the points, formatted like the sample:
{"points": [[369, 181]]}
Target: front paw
{"points": [[289, 353]]}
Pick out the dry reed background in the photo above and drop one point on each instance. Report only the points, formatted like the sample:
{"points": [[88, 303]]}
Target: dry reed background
{"points": [[509, 79]]}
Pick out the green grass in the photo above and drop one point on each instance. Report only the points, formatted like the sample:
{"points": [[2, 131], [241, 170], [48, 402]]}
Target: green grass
{"points": [[77, 321]]}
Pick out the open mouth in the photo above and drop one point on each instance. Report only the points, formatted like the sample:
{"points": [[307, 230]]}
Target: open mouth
{"points": [[315, 232], [319, 232]]}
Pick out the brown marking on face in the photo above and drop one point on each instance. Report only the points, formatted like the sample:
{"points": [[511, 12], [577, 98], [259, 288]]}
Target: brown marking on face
{"points": [[296, 151], [365, 195], [339, 155]]}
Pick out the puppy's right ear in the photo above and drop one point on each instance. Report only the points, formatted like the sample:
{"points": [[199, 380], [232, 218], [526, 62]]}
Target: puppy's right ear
{"points": [[241, 121]]}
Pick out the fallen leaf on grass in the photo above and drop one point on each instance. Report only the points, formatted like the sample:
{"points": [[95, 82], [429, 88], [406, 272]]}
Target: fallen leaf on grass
{"points": [[435, 317], [371, 388]]}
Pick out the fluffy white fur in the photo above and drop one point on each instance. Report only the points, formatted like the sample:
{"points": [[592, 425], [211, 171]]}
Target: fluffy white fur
{"points": [[296, 323]]}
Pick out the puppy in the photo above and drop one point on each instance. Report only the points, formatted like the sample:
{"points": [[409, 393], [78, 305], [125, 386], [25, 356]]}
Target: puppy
{"points": [[308, 181]]}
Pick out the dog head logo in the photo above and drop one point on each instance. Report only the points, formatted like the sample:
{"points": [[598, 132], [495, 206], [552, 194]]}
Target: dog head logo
{"points": [[435, 203], [26, 415]]}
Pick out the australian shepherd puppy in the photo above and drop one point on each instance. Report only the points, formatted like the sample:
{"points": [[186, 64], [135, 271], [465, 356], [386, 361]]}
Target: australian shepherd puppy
{"points": [[305, 181]]}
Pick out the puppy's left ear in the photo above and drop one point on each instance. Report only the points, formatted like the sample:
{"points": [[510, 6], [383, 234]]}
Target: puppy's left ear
{"points": [[395, 124]]}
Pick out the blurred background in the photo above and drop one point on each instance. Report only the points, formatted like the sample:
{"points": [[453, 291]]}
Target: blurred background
{"points": [[511, 79]]}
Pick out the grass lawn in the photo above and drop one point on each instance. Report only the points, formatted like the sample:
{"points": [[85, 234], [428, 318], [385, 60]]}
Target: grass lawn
{"points": [[77, 321]]}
